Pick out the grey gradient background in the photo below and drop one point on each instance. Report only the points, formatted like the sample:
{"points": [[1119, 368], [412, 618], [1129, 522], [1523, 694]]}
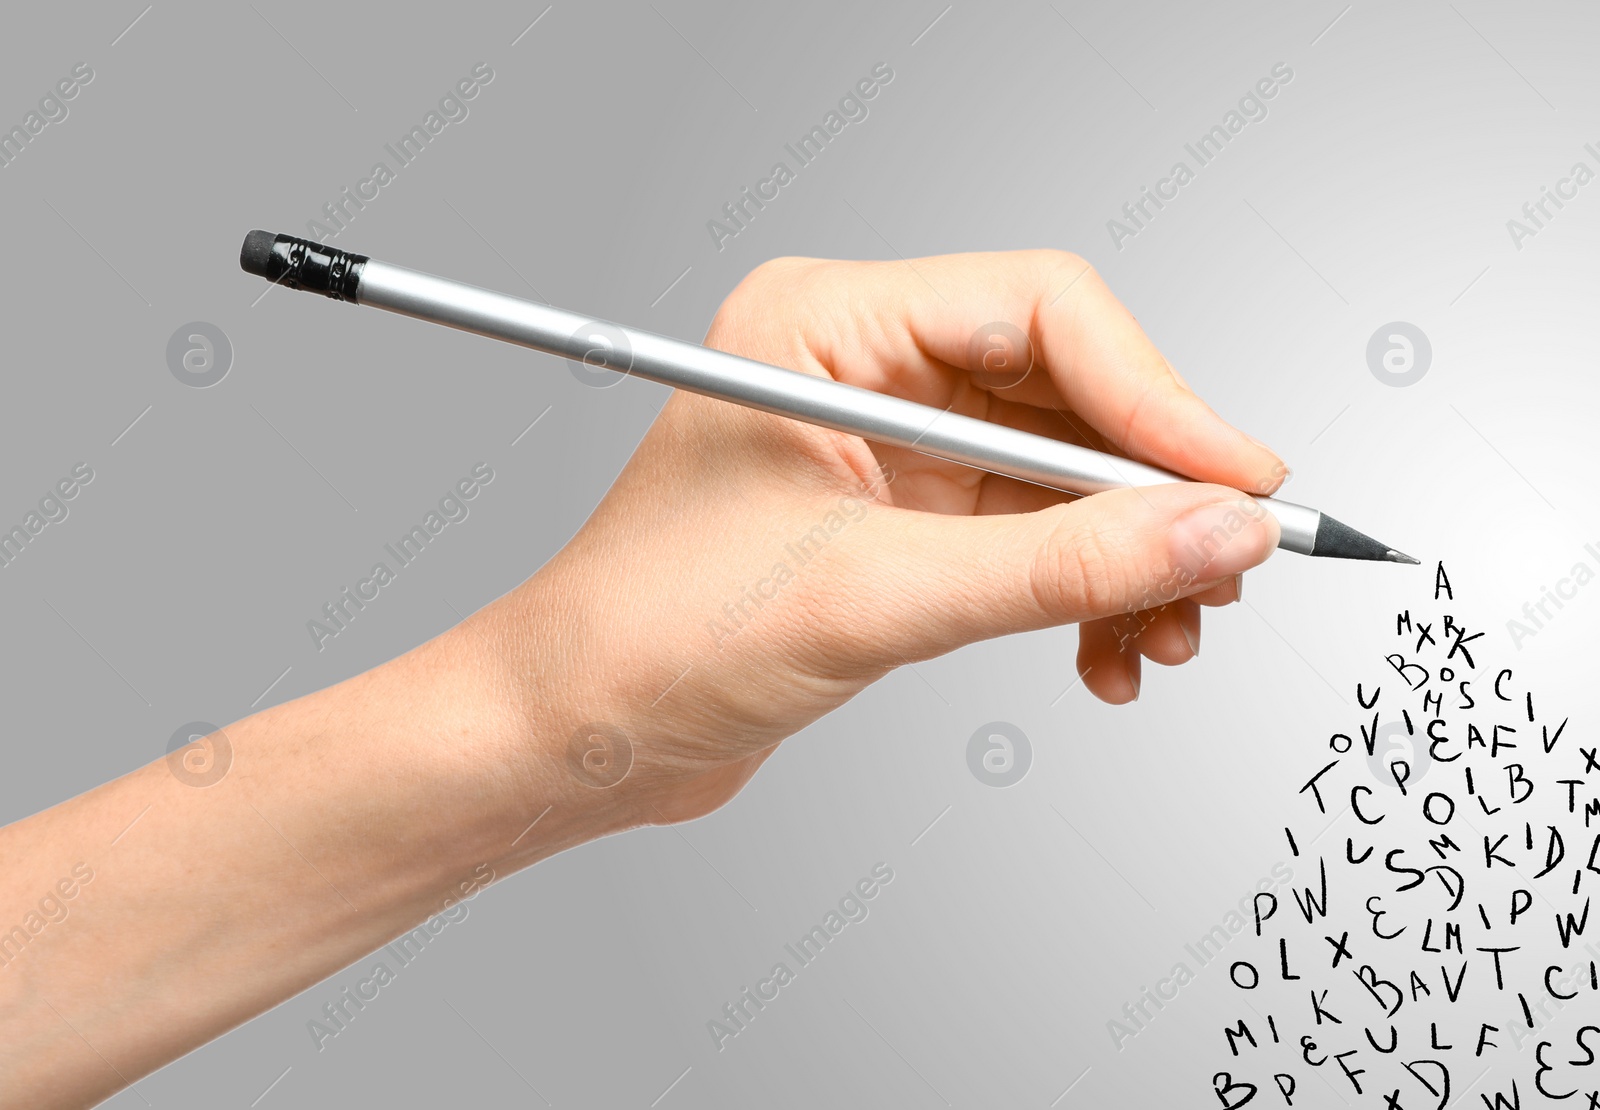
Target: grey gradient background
{"points": [[1020, 920]]}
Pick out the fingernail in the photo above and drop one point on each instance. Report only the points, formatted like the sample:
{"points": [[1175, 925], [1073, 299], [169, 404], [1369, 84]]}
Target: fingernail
{"points": [[1238, 587], [1227, 537], [1134, 678], [1189, 623]]}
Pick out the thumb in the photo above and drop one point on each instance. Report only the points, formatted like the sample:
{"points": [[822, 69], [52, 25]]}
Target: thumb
{"points": [[946, 581]]}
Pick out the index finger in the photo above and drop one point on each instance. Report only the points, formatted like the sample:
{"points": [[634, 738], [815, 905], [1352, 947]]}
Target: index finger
{"points": [[1095, 357]]}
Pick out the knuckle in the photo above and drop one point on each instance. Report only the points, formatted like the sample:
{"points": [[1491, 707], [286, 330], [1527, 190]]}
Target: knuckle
{"points": [[1067, 266], [762, 278], [747, 303], [776, 283], [1080, 572], [833, 618], [774, 266]]}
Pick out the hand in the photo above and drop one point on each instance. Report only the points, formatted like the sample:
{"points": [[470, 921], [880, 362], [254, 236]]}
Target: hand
{"points": [[748, 574], [744, 576]]}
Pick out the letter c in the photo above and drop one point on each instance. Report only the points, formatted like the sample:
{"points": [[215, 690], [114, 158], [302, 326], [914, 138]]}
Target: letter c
{"points": [[1551, 987], [1503, 674], [1355, 790]]}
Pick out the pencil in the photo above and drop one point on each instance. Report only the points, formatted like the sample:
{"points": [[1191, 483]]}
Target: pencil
{"points": [[315, 267]]}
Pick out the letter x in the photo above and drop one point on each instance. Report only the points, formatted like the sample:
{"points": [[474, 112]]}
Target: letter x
{"points": [[1341, 950]]}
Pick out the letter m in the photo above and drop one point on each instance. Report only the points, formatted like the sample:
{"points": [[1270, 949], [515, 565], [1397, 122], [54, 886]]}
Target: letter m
{"points": [[1239, 1031]]}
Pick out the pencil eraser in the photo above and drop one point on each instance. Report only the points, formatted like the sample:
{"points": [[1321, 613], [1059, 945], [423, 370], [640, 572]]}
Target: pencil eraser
{"points": [[257, 252]]}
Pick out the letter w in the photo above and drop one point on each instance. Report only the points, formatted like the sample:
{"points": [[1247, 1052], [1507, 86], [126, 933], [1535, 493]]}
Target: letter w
{"points": [[1309, 903]]}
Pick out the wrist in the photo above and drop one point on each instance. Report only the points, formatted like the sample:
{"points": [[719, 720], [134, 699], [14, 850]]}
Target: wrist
{"points": [[607, 724], [540, 758]]}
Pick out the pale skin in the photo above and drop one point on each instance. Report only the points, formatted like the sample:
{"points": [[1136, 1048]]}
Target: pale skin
{"points": [[350, 815]]}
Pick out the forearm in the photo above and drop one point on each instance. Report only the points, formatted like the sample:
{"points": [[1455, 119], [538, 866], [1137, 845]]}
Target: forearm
{"points": [[745, 576], [344, 819]]}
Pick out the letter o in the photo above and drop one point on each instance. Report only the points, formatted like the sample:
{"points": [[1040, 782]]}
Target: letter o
{"points": [[1427, 808]]}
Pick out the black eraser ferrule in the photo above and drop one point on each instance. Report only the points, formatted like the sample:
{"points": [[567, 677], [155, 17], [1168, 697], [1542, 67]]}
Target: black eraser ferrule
{"points": [[302, 264]]}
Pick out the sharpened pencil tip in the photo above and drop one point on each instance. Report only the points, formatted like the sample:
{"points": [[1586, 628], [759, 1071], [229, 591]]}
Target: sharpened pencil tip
{"points": [[1338, 540]]}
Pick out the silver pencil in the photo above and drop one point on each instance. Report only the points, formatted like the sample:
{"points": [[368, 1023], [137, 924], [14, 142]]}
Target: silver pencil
{"points": [[315, 267]]}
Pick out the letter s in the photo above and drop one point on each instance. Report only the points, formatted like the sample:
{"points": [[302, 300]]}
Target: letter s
{"points": [[1283, 73], [1388, 863], [83, 472], [884, 873], [883, 73], [1587, 1051], [483, 73], [83, 73], [483, 472]]}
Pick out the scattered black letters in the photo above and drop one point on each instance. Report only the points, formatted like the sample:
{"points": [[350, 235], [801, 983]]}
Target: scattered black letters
{"points": [[1439, 948]]}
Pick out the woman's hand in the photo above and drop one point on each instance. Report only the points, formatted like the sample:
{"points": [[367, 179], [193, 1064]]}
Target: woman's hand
{"points": [[744, 576], [748, 574]]}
